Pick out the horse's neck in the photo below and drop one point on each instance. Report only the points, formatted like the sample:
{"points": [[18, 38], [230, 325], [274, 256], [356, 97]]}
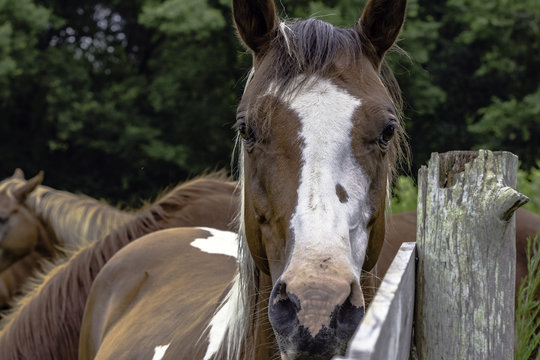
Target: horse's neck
{"points": [[13, 278], [74, 220], [53, 310]]}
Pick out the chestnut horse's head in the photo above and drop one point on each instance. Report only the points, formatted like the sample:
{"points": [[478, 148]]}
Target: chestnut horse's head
{"points": [[321, 134], [19, 227]]}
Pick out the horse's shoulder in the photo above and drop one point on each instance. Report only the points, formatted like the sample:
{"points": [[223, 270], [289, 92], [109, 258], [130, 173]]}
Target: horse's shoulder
{"points": [[169, 259], [159, 281]]}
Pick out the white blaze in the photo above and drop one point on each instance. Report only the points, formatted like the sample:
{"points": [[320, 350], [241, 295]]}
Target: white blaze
{"points": [[321, 222]]}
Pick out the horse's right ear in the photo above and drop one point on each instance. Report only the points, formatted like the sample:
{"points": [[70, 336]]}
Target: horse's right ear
{"points": [[22, 193], [381, 22], [18, 174], [256, 21]]}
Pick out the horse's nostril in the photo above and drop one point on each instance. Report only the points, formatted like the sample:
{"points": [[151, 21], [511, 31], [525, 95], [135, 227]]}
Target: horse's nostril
{"points": [[350, 313], [348, 319], [3, 218], [282, 294], [283, 309]]}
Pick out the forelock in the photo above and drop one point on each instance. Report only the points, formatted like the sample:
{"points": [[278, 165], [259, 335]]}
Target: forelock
{"points": [[309, 47]]}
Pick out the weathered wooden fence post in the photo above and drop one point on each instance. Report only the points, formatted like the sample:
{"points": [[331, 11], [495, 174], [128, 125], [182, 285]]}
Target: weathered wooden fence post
{"points": [[466, 256]]}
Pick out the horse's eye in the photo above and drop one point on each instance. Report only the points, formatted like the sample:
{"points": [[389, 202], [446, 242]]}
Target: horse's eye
{"points": [[246, 132], [386, 135]]}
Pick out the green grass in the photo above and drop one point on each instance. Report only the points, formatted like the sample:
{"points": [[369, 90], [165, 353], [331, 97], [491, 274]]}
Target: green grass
{"points": [[528, 306], [404, 194], [529, 184]]}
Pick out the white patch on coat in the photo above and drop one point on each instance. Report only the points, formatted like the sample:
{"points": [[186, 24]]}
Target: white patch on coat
{"points": [[321, 223], [159, 352], [225, 243], [220, 242], [222, 320]]}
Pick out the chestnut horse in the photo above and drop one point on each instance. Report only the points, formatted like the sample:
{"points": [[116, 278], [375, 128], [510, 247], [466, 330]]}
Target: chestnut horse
{"points": [[39, 223], [320, 137], [45, 324], [37, 218]]}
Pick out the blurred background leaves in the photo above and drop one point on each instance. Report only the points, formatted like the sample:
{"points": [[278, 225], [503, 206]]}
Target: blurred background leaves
{"points": [[118, 99]]}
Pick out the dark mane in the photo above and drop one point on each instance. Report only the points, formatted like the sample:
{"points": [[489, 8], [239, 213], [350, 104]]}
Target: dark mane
{"points": [[310, 46], [47, 320]]}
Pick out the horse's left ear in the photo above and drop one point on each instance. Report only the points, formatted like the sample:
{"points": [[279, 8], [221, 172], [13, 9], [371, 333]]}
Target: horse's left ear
{"points": [[381, 23], [256, 21], [22, 193], [18, 174]]}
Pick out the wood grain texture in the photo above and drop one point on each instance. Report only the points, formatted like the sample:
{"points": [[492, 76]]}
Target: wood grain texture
{"points": [[466, 251]]}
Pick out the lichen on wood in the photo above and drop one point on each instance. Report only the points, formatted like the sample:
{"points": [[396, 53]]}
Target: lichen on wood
{"points": [[466, 251]]}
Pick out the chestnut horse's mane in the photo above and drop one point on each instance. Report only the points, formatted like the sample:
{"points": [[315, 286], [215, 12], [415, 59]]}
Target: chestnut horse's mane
{"points": [[76, 220], [53, 306]]}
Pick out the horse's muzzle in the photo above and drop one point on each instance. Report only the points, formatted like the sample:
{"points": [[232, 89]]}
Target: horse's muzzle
{"points": [[295, 333]]}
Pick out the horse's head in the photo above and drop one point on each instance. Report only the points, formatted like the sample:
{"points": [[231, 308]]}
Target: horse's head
{"points": [[19, 228], [320, 135]]}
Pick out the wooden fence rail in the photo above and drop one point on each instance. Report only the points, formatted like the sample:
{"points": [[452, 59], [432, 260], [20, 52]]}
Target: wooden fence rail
{"points": [[385, 332]]}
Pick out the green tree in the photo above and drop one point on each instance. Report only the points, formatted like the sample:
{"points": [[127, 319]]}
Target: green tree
{"points": [[481, 57], [119, 98], [509, 35]]}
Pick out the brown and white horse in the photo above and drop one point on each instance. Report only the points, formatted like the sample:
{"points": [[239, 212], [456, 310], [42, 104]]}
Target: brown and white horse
{"points": [[160, 295], [143, 313], [320, 136], [45, 324]]}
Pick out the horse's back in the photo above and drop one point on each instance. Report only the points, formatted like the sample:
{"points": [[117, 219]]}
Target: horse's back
{"points": [[207, 201], [158, 290], [402, 228], [217, 210]]}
